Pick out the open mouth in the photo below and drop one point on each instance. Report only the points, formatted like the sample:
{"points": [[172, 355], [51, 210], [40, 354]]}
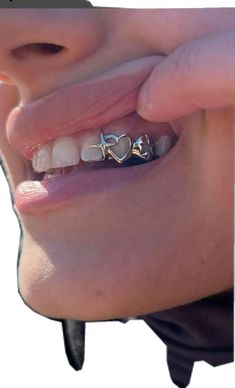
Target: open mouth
{"points": [[70, 170], [126, 142], [86, 139]]}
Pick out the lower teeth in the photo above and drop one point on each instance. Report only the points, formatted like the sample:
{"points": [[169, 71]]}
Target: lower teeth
{"points": [[56, 172]]}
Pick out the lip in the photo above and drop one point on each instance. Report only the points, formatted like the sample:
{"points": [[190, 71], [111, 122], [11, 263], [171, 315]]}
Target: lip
{"points": [[84, 105]]}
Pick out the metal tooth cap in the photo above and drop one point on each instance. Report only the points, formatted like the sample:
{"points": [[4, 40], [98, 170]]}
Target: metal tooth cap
{"points": [[120, 148], [143, 148]]}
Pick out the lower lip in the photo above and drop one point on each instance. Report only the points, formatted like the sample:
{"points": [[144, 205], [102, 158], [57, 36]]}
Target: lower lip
{"points": [[34, 197]]}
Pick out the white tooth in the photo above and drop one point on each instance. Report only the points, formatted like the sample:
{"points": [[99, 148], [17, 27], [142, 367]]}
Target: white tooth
{"points": [[42, 159], [91, 154], [64, 153], [162, 145]]}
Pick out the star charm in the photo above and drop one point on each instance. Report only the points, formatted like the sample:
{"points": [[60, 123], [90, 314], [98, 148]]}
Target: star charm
{"points": [[103, 145], [142, 148]]}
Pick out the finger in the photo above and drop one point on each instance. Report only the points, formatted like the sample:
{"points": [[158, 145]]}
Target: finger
{"points": [[197, 75]]}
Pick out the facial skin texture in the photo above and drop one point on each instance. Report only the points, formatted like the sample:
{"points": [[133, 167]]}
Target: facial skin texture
{"points": [[161, 240]]}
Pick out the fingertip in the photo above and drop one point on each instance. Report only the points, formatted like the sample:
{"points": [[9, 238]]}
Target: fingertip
{"points": [[149, 101], [144, 106]]}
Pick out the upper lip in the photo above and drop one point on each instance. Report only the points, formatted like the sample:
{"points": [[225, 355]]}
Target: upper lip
{"points": [[84, 105]]}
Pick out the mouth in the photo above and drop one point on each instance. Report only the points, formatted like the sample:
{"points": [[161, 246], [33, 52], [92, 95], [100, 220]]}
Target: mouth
{"points": [[59, 187], [56, 133], [126, 142]]}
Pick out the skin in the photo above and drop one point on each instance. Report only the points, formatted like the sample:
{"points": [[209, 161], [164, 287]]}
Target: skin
{"points": [[164, 239]]}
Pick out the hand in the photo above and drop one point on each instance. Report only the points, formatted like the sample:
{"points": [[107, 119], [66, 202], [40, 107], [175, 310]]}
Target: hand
{"points": [[197, 75]]}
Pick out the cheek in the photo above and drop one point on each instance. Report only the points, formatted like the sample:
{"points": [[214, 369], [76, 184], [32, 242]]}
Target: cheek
{"points": [[215, 171], [36, 275], [216, 158], [180, 218], [14, 165]]}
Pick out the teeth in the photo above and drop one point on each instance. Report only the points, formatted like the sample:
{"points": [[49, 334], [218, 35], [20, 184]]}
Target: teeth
{"points": [[91, 154], [162, 145], [64, 153], [53, 173], [42, 159]]}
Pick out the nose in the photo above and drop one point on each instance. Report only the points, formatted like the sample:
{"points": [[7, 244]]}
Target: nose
{"points": [[47, 41]]}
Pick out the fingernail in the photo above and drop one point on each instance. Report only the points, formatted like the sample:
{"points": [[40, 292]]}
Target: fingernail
{"points": [[143, 103]]}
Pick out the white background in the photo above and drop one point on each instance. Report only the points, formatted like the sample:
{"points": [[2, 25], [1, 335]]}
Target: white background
{"points": [[117, 355], [163, 3]]}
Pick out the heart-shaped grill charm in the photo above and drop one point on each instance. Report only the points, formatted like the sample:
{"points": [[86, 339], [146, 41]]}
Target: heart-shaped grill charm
{"points": [[121, 150]]}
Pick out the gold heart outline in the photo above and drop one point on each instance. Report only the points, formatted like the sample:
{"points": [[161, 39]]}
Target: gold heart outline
{"points": [[113, 155]]}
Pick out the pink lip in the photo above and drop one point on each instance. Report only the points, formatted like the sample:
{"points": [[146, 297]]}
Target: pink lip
{"points": [[32, 197], [84, 105]]}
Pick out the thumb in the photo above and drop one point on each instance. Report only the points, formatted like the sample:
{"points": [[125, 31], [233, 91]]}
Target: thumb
{"points": [[197, 75]]}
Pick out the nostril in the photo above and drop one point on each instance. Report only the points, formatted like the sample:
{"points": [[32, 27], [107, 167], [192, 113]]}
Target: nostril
{"points": [[47, 48], [37, 48]]}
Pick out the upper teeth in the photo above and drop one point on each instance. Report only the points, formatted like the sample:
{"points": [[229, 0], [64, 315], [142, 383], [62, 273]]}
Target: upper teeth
{"points": [[64, 151], [42, 159], [91, 154], [163, 145]]}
